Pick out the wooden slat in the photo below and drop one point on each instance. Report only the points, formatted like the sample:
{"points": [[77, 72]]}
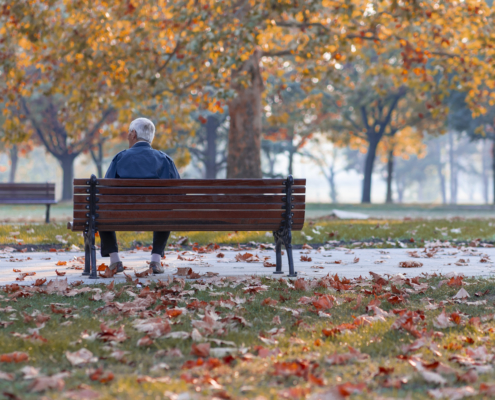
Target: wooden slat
{"points": [[228, 222], [189, 190], [181, 228], [203, 215], [189, 206], [269, 198], [189, 182]]}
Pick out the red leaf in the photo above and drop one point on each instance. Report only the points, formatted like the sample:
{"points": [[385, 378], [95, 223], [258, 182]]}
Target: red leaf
{"points": [[15, 357], [101, 376], [39, 282], [200, 350]]}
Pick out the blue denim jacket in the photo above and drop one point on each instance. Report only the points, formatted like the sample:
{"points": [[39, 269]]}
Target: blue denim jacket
{"points": [[141, 161]]}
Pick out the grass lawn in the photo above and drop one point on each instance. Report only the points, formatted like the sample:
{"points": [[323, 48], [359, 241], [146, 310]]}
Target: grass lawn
{"points": [[247, 338], [378, 233]]}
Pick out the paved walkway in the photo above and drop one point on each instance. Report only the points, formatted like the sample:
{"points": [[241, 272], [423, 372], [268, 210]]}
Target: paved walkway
{"points": [[345, 263]]}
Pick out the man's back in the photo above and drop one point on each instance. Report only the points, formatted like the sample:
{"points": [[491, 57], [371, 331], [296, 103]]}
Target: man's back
{"points": [[141, 161]]}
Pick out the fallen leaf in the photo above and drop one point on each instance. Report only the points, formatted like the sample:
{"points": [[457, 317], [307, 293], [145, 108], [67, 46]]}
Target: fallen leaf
{"points": [[442, 321], [102, 267], [144, 273], [269, 264], [15, 357], [410, 264], [455, 281], [61, 263], [145, 341], [80, 357], [200, 350], [247, 257], [54, 382], [456, 393], [6, 376], [461, 294], [487, 389], [101, 376], [300, 284], [108, 273]]}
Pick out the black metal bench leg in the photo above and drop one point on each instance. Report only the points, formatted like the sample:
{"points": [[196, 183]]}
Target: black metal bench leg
{"points": [[278, 254], [288, 247], [87, 254], [47, 216], [94, 273]]}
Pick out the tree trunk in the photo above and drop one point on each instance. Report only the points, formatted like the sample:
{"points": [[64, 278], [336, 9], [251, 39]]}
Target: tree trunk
{"points": [[212, 125], [14, 158], [399, 184], [271, 162], [67, 164], [98, 159], [493, 168], [485, 168], [441, 177], [453, 171], [390, 174], [368, 169], [245, 111], [331, 183], [291, 160]]}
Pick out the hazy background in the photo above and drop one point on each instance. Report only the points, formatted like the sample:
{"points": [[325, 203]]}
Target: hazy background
{"points": [[416, 180]]}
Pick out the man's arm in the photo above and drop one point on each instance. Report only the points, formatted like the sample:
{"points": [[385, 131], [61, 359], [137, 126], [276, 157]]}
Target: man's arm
{"points": [[174, 174], [112, 169]]}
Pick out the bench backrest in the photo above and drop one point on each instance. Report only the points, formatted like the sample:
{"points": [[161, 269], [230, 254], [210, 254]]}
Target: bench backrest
{"points": [[27, 193], [189, 204]]}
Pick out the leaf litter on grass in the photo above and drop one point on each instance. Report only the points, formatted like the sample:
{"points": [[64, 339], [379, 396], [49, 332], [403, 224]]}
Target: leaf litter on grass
{"points": [[379, 333]]}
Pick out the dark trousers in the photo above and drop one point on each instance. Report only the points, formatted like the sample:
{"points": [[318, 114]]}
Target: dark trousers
{"points": [[109, 243]]}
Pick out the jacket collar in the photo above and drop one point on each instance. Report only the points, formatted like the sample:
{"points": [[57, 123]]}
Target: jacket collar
{"points": [[142, 144]]}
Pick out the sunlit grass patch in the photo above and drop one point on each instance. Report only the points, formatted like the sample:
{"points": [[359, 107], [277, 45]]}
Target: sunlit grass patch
{"points": [[381, 233]]}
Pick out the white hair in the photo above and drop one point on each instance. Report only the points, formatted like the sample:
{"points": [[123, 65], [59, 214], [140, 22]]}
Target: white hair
{"points": [[144, 128]]}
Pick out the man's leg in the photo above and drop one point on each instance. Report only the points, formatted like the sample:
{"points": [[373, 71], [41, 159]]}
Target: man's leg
{"points": [[159, 244], [110, 248]]}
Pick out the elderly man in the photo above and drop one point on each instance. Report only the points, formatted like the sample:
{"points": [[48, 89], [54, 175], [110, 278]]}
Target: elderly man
{"points": [[140, 161]]}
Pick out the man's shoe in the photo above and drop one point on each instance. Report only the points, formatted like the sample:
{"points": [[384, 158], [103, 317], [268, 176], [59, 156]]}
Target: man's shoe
{"points": [[118, 265], [157, 267]]}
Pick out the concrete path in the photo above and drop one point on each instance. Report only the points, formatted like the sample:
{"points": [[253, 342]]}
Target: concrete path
{"points": [[344, 262]]}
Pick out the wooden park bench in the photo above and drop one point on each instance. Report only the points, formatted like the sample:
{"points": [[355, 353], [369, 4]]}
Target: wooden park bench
{"points": [[29, 193], [276, 205]]}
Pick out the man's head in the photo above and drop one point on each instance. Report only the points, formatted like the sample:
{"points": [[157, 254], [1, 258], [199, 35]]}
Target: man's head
{"points": [[141, 129]]}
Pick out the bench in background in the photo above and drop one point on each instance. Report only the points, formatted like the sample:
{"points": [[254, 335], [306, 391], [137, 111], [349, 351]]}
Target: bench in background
{"points": [[276, 205], [29, 193]]}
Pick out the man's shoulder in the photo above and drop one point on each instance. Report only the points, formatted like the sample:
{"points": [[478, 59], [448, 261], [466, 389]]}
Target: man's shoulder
{"points": [[118, 155], [163, 154]]}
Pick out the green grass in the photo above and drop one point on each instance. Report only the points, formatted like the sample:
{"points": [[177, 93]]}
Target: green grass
{"points": [[376, 232], [248, 375]]}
